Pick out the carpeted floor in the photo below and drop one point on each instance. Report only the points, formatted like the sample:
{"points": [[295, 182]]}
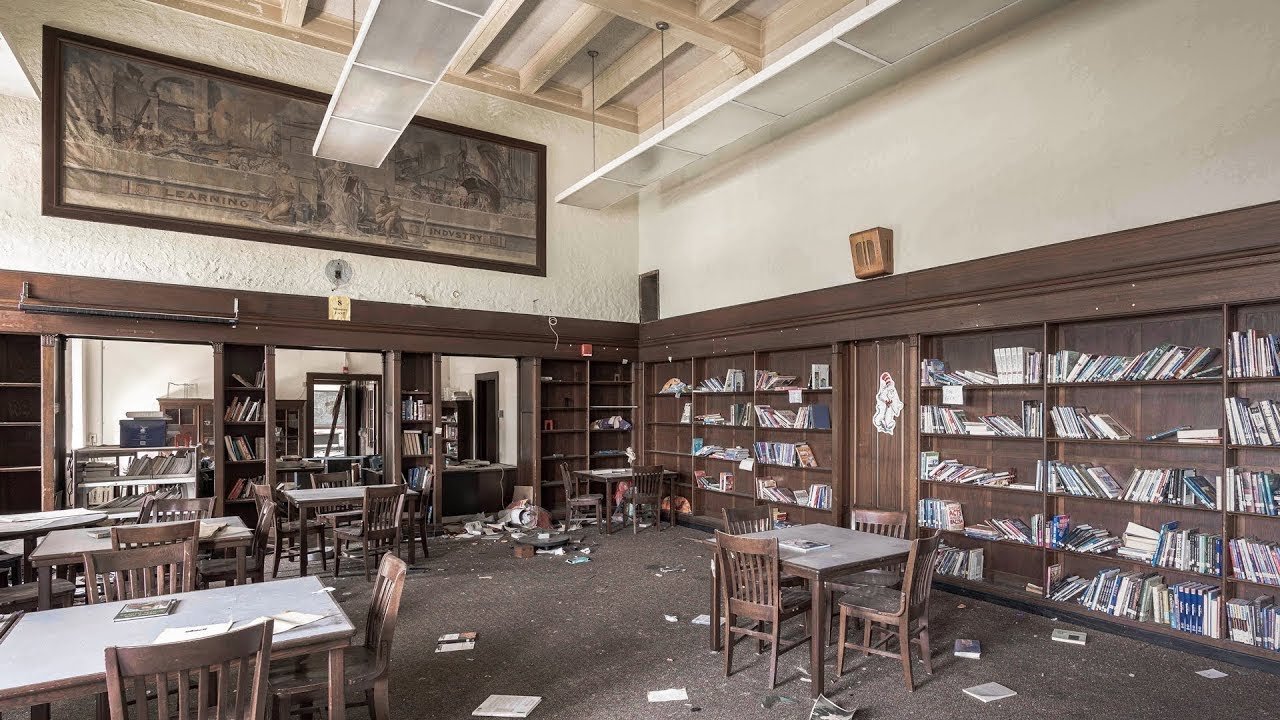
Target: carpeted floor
{"points": [[592, 640]]}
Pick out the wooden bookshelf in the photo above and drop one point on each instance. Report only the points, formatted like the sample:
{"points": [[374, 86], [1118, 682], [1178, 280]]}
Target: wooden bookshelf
{"points": [[457, 416], [248, 362], [563, 426], [418, 411], [610, 393], [1145, 408], [27, 474]]}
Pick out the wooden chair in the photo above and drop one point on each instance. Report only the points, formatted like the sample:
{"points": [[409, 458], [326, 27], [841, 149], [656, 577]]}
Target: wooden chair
{"points": [[224, 676], [223, 570], [573, 500], [284, 534], [175, 509], [378, 530], [646, 490], [10, 569], [894, 614], [751, 588], [368, 665], [27, 597], [143, 572], [878, 522], [753, 520], [124, 537]]}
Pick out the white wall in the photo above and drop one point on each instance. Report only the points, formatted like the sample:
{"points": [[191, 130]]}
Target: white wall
{"points": [[591, 257], [292, 367], [459, 373], [1099, 117]]}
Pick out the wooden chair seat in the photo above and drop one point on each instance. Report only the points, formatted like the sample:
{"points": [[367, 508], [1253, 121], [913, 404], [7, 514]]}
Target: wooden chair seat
{"points": [[355, 531], [27, 595], [871, 597], [307, 678]]}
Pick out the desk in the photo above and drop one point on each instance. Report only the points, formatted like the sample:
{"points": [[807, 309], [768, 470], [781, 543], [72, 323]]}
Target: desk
{"points": [[75, 639], [851, 551], [36, 525], [609, 477], [307, 500], [470, 489], [67, 548]]}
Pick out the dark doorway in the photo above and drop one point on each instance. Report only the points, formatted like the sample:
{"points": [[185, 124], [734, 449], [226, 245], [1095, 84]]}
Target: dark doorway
{"points": [[487, 416]]}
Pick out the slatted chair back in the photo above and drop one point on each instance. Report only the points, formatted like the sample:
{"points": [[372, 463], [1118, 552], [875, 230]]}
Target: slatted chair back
{"points": [[570, 490], [881, 522], [261, 495], [124, 537], [262, 532], [384, 609], [175, 509], [229, 673], [646, 483], [138, 573], [738, 521], [383, 515], [751, 575], [918, 579], [324, 481]]}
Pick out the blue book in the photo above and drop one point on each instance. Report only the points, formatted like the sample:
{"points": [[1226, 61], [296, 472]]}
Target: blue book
{"points": [[821, 416]]}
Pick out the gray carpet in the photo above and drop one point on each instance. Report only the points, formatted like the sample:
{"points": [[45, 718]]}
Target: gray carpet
{"points": [[591, 639]]}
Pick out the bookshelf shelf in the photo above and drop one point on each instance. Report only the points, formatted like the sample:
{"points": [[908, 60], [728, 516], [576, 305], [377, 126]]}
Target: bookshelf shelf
{"points": [[975, 486], [992, 386], [1251, 583], [1138, 383], [1252, 447], [1112, 558], [1136, 443], [773, 466], [1162, 506], [668, 424], [726, 492], [815, 431], [794, 505], [1005, 543], [1242, 513], [961, 436], [20, 385], [1259, 379], [31, 424]]}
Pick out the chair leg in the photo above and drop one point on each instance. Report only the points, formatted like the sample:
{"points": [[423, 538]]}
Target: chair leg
{"points": [[842, 642], [775, 634], [337, 557], [381, 707], [635, 519], [324, 562], [599, 517], [925, 652], [730, 620], [364, 555], [759, 627], [866, 637], [275, 564], [904, 651]]}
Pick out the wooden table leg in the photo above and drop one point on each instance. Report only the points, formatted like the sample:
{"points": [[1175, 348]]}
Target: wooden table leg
{"points": [[302, 540], [413, 523], [242, 569], [28, 547], [716, 641], [608, 507], [817, 641], [337, 685], [44, 593]]}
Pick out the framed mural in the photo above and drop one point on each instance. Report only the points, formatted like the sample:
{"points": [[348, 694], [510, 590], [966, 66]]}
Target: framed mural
{"points": [[136, 138]]}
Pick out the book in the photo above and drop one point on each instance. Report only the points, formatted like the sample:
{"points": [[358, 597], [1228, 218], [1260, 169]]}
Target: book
{"points": [[147, 609], [971, 649], [516, 706], [1073, 637], [803, 545], [989, 692], [453, 642]]}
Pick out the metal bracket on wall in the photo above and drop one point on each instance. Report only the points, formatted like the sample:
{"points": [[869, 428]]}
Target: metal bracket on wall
{"points": [[28, 304]]}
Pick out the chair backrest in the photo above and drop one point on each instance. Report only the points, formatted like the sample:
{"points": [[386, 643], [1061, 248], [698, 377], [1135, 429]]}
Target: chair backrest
{"points": [[140, 572], [918, 579], [750, 575], [261, 495], [262, 531], [881, 522], [646, 481], [124, 537], [744, 522], [230, 671], [344, 478], [384, 609], [174, 509], [566, 479], [383, 513]]}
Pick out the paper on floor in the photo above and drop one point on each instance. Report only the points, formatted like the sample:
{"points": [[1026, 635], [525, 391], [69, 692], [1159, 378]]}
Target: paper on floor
{"points": [[989, 692], [671, 618], [1211, 673], [701, 620], [668, 695], [193, 632], [516, 706], [452, 642], [824, 709]]}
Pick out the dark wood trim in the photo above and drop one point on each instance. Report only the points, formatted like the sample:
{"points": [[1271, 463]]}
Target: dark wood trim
{"points": [[349, 409], [51, 181], [496, 435]]}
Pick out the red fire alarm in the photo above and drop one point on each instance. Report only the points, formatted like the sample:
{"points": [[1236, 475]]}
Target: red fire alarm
{"points": [[586, 349]]}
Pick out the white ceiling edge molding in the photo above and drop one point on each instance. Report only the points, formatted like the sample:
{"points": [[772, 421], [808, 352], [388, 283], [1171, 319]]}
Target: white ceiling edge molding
{"points": [[14, 80], [402, 50], [878, 46]]}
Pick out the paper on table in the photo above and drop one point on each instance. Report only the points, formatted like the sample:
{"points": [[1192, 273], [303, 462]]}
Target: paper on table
{"points": [[208, 529], [516, 706], [194, 632], [668, 695], [289, 620]]}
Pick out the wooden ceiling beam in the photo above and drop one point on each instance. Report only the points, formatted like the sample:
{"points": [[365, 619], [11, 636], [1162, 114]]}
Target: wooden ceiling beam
{"points": [[324, 31], [798, 21], [709, 78], [293, 12], [628, 69], [570, 39], [738, 31], [505, 83], [490, 28], [713, 9]]}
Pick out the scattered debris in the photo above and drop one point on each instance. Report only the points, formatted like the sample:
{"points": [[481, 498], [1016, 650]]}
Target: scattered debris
{"points": [[507, 706], [961, 606], [671, 618], [1211, 673], [578, 560], [971, 649], [325, 589], [671, 569], [770, 700], [1073, 637], [668, 695], [824, 709], [701, 620], [804, 675], [453, 642], [552, 551], [989, 692], [484, 577]]}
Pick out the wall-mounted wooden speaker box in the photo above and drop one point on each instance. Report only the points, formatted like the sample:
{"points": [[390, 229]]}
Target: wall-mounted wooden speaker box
{"points": [[872, 253]]}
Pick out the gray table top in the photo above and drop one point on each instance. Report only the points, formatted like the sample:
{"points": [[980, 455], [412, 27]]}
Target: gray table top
{"points": [[63, 545], [40, 523], [75, 638], [849, 548], [353, 493]]}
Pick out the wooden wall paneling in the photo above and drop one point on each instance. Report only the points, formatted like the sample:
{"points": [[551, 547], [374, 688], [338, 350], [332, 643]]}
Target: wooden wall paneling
{"points": [[529, 443], [220, 376], [269, 419], [392, 428], [839, 455], [52, 419], [437, 440], [565, 401], [882, 463]]}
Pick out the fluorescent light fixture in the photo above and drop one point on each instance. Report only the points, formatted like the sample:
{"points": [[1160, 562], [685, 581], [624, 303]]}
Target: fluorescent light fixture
{"points": [[403, 49]]}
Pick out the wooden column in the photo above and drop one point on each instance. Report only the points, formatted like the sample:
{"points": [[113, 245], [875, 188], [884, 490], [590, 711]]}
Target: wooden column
{"points": [[51, 419]]}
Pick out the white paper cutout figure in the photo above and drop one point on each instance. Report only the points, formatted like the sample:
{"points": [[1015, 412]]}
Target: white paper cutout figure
{"points": [[888, 405]]}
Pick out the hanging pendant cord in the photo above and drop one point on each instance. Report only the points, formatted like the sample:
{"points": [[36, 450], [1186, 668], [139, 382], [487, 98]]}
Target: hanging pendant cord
{"points": [[593, 55], [662, 68]]}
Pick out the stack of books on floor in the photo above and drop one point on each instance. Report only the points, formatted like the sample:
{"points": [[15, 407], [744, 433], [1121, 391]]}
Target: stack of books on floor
{"points": [[953, 471], [1252, 355], [243, 410], [734, 381], [415, 409], [413, 442], [1188, 550], [1082, 480], [959, 562], [770, 380], [1173, 486], [940, 514], [1255, 560], [1079, 423], [1164, 362], [240, 448], [1254, 622], [1256, 424], [1253, 491]]}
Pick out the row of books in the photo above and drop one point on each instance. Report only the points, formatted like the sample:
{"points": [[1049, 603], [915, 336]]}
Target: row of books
{"points": [[939, 420], [242, 489], [816, 496], [1189, 550], [1253, 424], [1254, 622], [415, 409], [940, 514], [613, 422], [1011, 529], [786, 454], [934, 469], [1253, 491], [1174, 486], [1058, 534], [1081, 479], [770, 380], [723, 483], [152, 465], [807, 416], [1252, 355], [1014, 366], [959, 562], [418, 478], [740, 415], [415, 442], [240, 447], [718, 452], [243, 410], [1255, 560], [258, 378], [734, 381], [1079, 423], [1166, 361], [1190, 606]]}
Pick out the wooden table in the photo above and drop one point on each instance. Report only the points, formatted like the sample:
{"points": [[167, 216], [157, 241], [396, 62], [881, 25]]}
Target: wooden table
{"points": [[36, 525], [75, 639], [66, 548], [609, 478], [307, 500], [851, 551]]}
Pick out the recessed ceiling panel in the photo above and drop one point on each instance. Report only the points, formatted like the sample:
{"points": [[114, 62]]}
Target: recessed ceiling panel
{"points": [[356, 143], [822, 73], [379, 98], [651, 165], [476, 7], [909, 26], [719, 128], [598, 195], [414, 38]]}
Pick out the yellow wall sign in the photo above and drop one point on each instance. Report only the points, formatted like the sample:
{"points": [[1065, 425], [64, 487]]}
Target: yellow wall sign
{"points": [[339, 307]]}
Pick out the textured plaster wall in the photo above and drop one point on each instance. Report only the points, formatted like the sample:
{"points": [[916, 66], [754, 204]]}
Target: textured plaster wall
{"points": [[1099, 117], [591, 256]]}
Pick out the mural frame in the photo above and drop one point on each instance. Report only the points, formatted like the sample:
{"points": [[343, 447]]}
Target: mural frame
{"points": [[52, 181]]}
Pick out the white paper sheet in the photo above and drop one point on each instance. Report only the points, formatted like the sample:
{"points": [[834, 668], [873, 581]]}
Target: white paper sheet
{"points": [[668, 695], [192, 632]]}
